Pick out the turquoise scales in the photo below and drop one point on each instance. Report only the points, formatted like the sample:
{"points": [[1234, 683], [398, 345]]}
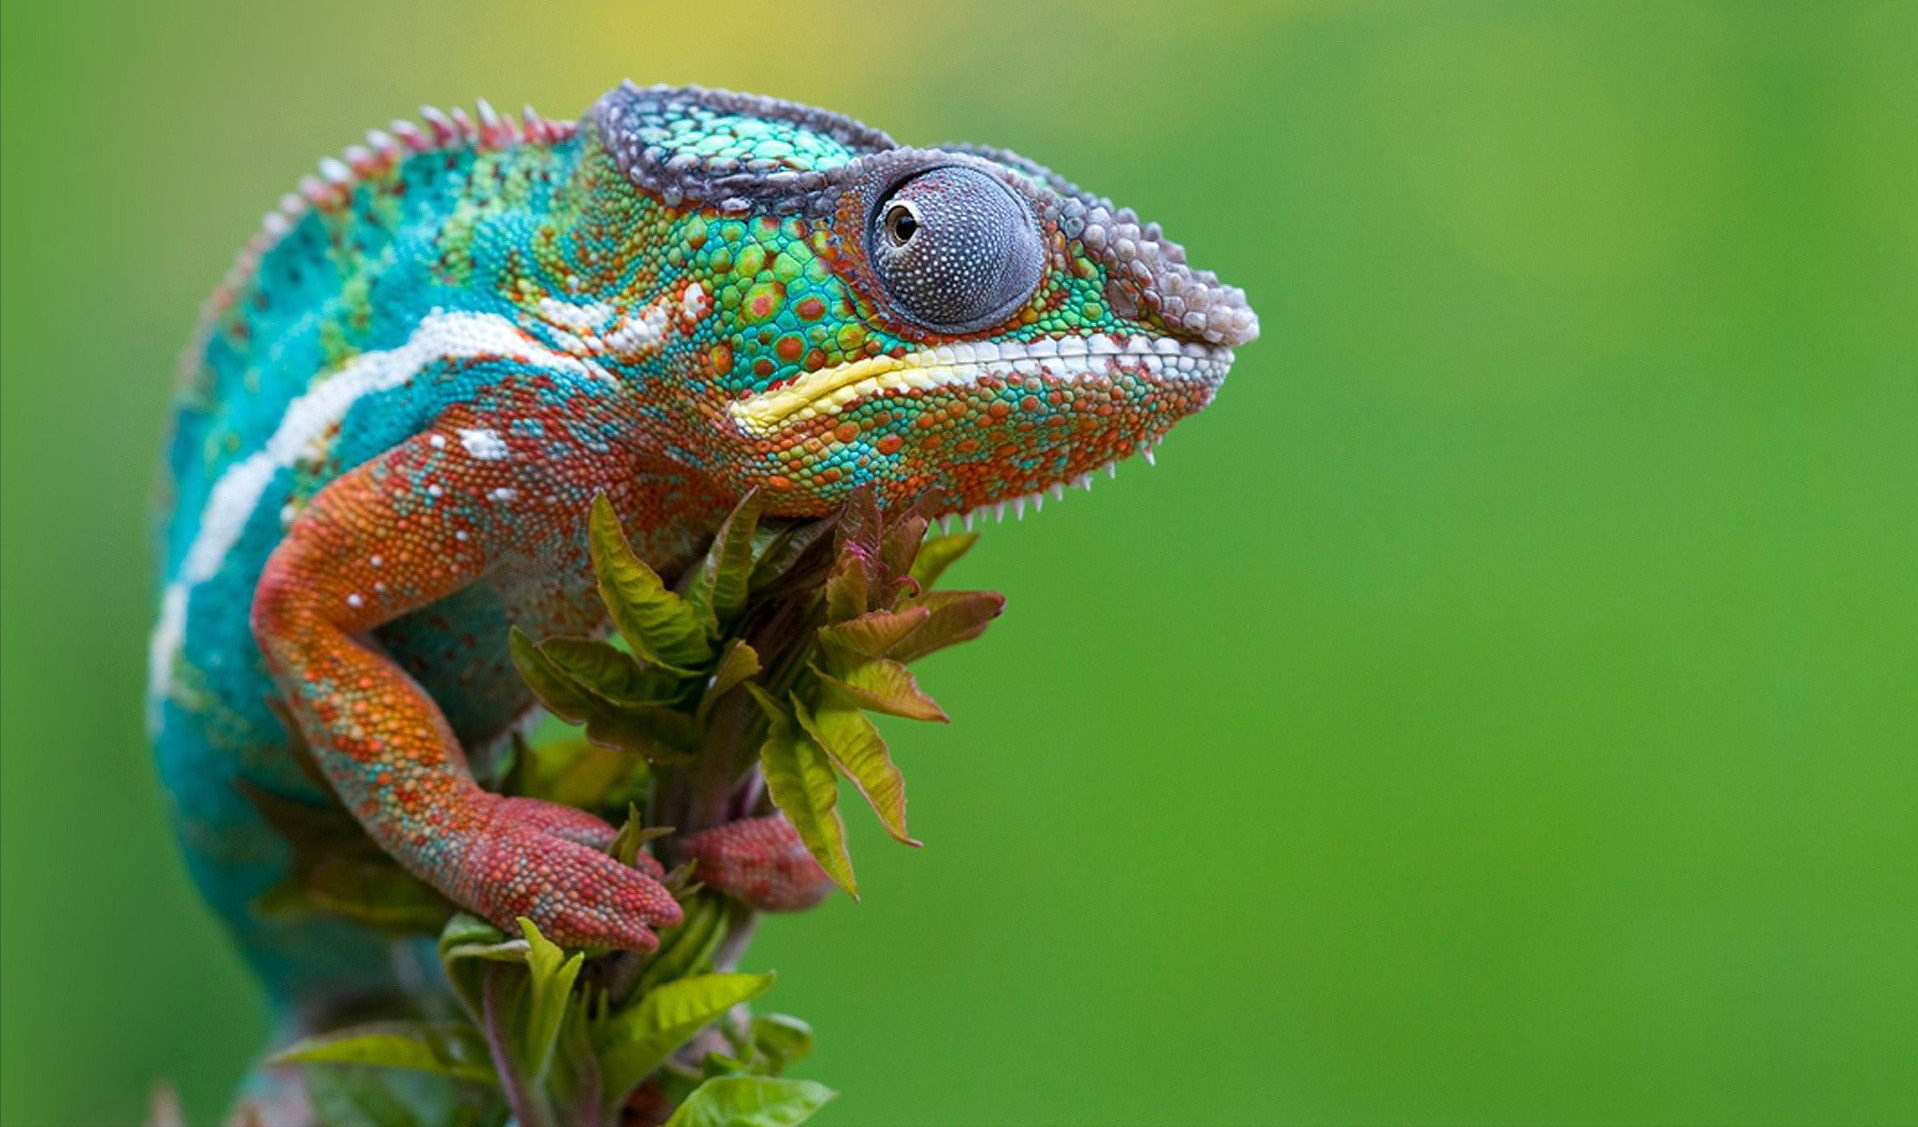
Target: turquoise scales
{"points": [[414, 381]]}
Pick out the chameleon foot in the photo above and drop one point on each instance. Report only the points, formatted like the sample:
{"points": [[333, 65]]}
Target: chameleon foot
{"points": [[760, 862], [548, 863]]}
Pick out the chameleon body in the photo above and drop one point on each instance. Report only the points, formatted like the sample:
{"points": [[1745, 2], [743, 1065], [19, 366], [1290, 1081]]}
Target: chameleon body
{"points": [[404, 398]]}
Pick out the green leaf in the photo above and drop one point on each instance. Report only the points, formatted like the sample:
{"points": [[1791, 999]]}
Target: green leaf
{"points": [[346, 1095], [467, 946], [720, 582], [371, 891], [687, 949], [633, 836], [337, 870], [751, 1101], [859, 752], [604, 670], [800, 779], [446, 1048], [781, 1039], [883, 685], [653, 731], [466, 931], [659, 625], [875, 633], [550, 979], [776, 714], [575, 1081], [639, 1038], [581, 773], [737, 662], [952, 617], [937, 554], [550, 681]]}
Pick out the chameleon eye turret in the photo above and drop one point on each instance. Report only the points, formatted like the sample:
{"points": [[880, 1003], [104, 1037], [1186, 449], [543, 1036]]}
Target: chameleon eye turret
{"points": [[954, 249]]}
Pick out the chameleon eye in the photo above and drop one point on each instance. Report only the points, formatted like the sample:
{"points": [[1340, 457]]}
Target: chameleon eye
{"points": [[901, 222], [955, 249]]}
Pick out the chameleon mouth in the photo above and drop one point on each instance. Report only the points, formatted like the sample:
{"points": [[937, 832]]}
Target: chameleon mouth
{"points": [[830, 390]]}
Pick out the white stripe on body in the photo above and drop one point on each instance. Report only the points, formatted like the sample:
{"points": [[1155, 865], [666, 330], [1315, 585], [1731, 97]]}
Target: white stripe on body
{"points": [[440, 336]]}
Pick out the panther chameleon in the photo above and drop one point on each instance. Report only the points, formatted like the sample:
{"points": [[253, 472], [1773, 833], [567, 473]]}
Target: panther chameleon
{"points": [[405, 395]]}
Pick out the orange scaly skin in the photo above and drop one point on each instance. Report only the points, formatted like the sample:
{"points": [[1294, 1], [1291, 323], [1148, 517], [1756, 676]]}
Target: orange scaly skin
{"points": [[357, 559]]}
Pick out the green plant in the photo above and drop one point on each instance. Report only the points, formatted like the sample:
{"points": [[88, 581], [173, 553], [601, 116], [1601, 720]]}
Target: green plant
{"points": [[741, 688]]}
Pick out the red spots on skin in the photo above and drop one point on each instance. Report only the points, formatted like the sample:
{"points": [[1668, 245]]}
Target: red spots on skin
{"points": [[789, 348], [890, 444], [763, 305], [763, 367], [1029, 403], [810, 309], [722, 359], [846, 432]]}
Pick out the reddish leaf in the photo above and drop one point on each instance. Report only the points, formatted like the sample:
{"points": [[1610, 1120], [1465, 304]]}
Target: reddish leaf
{"points": [[952, 617], [873, 634]]}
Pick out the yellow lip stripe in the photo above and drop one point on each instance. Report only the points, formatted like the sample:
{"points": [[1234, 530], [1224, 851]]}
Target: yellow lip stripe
{"points": [[764, 413], [830, 390]]}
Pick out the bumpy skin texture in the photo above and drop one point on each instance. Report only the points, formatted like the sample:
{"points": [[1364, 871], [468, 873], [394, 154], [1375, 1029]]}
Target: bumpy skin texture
{"points": [[761, 861], [406, 394]]}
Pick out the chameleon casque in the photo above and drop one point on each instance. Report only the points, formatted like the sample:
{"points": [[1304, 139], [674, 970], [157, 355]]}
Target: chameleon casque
{"points": [[406, 394]]}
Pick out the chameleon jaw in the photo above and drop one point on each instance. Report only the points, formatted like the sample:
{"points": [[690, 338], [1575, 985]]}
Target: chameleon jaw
{"points": [[830, 390]]}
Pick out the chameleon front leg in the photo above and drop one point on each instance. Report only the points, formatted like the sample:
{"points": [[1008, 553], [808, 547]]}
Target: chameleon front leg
{"points": [[395, 534]]}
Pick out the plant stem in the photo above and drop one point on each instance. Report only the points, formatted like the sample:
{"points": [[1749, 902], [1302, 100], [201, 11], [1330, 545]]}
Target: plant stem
{"points": [[740, 925], [527, 1104]]}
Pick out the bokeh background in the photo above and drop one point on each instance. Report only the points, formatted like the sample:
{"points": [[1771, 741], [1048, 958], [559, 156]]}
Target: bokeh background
{"points": [[1501, 707]]}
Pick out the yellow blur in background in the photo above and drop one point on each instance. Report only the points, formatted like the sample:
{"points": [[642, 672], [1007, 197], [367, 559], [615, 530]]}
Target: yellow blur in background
{"points": [[1502, 706]]}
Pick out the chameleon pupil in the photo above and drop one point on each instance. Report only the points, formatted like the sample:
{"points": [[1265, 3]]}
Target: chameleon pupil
{"points": [[902, 224]]}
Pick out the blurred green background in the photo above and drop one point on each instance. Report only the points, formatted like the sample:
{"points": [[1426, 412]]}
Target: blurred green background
{"points": [[1501, 707]]}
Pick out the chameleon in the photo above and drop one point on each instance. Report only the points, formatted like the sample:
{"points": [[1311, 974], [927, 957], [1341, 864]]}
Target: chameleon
{"points": [[402, 400]]}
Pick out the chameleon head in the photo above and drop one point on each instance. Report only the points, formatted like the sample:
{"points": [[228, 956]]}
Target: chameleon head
{"points": [[955, 319]]}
